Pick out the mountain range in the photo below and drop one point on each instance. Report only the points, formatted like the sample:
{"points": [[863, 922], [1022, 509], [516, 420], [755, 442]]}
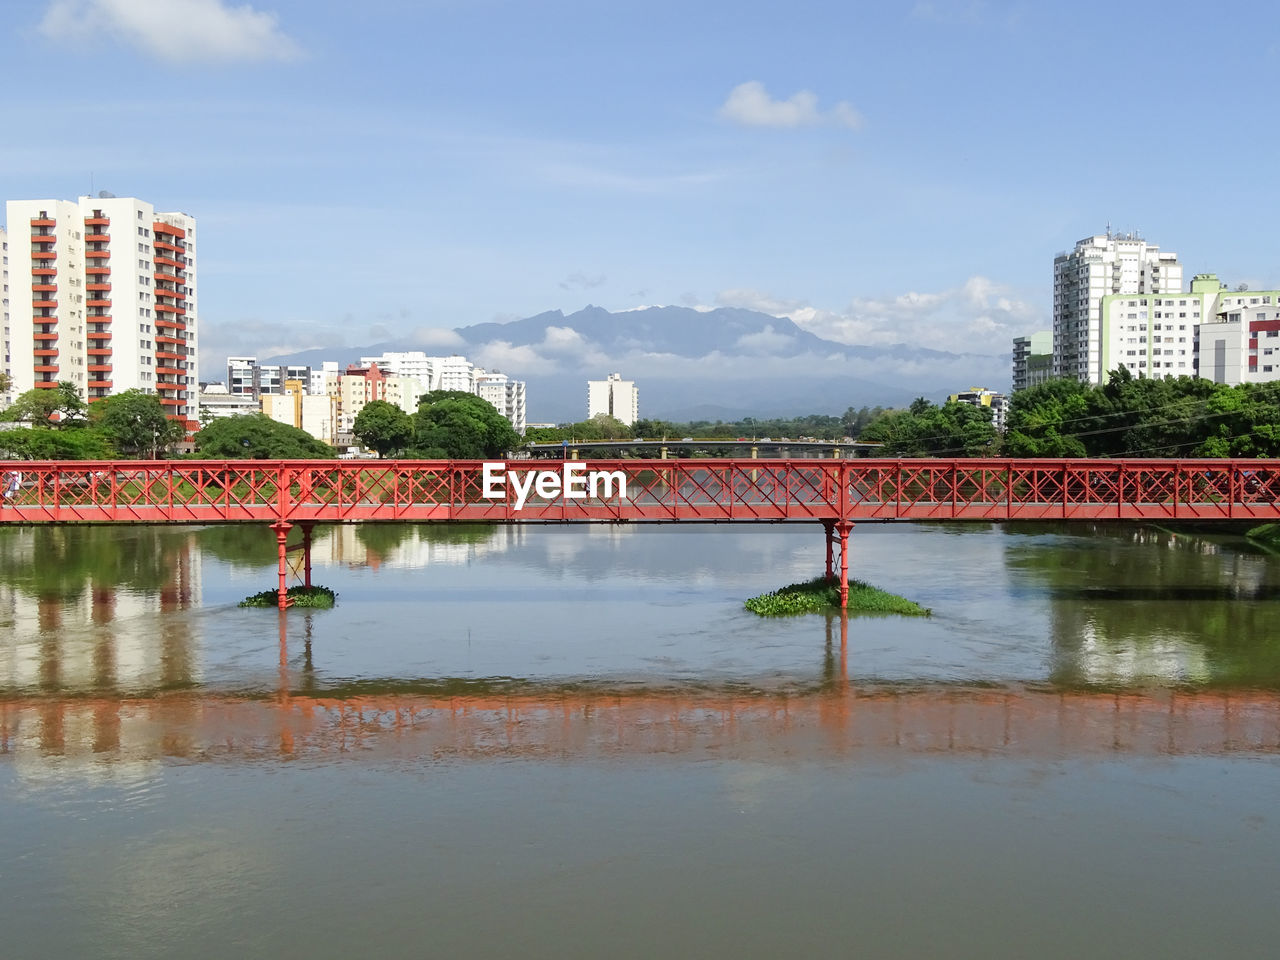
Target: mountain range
{"points": [[690, 364]]}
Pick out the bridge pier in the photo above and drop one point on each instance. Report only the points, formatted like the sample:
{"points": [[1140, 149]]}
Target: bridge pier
{"points": [[282, 528], [844, 528]]}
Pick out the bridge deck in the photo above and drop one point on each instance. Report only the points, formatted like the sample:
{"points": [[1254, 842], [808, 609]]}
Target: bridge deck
{"points": [[694, 490]]}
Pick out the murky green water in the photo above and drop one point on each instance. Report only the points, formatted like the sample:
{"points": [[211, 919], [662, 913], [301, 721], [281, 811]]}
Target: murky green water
{"points": [[553, 741]]}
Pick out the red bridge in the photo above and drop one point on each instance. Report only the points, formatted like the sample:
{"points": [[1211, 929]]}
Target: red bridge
{"points": [[835, 493]]}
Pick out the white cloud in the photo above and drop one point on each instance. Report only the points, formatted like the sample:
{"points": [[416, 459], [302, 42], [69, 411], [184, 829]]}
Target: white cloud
{"points": [[581, 281], [766, 342], [175, 30], [980, 316], [750, 105], [437, 337]]}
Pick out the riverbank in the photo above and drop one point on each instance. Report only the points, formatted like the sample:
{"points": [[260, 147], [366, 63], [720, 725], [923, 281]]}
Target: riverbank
{"points": [[822, 595]]}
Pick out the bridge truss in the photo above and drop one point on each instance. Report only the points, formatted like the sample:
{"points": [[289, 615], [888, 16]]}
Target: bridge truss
{"points": [[836, 493]]}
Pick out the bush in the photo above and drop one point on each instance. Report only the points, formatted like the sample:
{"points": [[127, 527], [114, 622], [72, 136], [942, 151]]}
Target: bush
{"points": [[821, 595]]}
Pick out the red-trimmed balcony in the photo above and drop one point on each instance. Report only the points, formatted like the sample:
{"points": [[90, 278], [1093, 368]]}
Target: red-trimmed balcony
{"points": [[165, 385], [166, 278], [99, 334], [97, 238], [165, 245], [99, 352], [160, 339], [97, 303], [171, 401], [98, 287], [47, 337], [97, 254], [163, 355], [44, 271], [44, 254], [43, 222], [160, 227], [167, 261], [44, 305], [99, 368], [97, 221], [169, 371], [45, 352], [44, 288], [100, 271], [46, 384], [46, 369], [99, 384]]}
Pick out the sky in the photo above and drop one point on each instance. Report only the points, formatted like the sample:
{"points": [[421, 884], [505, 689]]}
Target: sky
{"points": [[878, 172]]}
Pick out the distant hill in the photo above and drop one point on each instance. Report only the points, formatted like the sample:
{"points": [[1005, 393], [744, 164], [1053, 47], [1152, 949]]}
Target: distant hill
{"points": [[698, 364]]}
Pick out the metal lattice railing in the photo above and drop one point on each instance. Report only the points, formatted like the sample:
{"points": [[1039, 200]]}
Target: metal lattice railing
{"points": [[740, 490]]}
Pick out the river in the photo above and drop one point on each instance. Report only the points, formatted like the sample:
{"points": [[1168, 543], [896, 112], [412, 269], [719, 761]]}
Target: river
{"points": [[574, 741]]}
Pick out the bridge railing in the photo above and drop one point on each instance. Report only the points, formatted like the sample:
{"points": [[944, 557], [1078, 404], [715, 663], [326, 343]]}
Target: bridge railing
{"points": [[640, 490]]}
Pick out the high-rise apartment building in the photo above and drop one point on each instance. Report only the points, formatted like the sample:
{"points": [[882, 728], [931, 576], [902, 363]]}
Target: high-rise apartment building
{"points": [[614, 396], [103, 295], [6, 395], [1099, 266]]}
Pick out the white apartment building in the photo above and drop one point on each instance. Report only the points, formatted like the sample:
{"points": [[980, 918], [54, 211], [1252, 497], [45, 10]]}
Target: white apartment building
{"points": [[1155, 335], [434, 373], [1239, 341], [1210, 332], [617, 397], [324, 382], [6, 396], [108, 286], [1100, 266], [506, 395]]}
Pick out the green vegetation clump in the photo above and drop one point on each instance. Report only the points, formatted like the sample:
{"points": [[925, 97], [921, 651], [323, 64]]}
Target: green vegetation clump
{"points": [[316, 598], [821, 595], [1267, 533]]}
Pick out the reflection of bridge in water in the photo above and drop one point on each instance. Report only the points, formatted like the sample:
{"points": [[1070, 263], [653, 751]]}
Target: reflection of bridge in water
{"points": [[835, 493], [425, 721]]}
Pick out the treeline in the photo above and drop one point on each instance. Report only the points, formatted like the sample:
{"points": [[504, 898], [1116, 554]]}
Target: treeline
{"points": [[1128, 417], [816, 426]]}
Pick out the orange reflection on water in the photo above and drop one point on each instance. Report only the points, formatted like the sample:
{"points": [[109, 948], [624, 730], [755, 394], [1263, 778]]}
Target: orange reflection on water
{"points": [[848, 721]]}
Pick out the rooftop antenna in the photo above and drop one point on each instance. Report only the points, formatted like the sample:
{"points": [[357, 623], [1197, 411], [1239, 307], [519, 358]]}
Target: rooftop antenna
{"points": [[1108, 229]]}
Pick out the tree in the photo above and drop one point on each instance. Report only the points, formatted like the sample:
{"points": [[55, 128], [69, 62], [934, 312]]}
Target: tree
{"points": [[452, 425], [924, 430], [256, 436], [59, 406], [383, 427], [135, 423], [35, 443]]}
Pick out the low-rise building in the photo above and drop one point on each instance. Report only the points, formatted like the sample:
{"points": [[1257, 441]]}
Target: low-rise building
{"points": [[215, 401]]}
